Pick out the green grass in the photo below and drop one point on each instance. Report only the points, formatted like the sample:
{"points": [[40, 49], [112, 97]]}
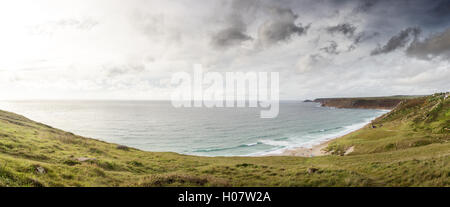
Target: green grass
{"points": [[409, 147], [416, 122]]}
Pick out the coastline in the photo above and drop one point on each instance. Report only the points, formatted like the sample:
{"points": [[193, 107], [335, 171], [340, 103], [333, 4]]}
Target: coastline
{"points": [[38, 155], [314, 151], [319, 149], [274, 147], [362, 103], [311, 148]]}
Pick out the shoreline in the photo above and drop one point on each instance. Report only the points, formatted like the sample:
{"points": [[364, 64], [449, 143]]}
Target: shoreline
{"points": [[314, 151], [318, 149], [38, 155]]}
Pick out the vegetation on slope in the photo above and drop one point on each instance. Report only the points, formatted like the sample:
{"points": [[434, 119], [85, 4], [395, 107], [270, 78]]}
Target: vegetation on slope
{"points": [[408, 147], [413, 123]]}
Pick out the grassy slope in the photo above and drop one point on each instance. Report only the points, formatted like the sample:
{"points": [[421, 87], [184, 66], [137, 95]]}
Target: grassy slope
{"points": [[409, 147]]}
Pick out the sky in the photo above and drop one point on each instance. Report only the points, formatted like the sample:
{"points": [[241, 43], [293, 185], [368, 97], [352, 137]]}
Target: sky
{"points": [[115, 49]]}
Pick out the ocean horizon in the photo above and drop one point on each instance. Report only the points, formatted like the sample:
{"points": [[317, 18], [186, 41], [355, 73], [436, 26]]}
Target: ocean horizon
{"points": [[158, 126]]}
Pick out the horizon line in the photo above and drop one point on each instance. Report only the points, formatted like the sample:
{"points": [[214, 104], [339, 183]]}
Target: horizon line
{"points": [[287, 99]]}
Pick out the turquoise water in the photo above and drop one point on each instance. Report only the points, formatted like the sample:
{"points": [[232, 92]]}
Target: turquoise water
{"points": [[157, 126]]}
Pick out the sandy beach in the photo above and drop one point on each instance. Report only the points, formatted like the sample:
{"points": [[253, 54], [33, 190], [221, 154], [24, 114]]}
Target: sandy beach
{"points": [[316, 150]]}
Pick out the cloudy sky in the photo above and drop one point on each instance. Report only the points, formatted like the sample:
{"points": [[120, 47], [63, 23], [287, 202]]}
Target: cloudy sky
{"points": [[116, 49]]}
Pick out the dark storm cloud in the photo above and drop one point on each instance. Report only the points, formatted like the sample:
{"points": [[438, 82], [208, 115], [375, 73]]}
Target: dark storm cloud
{"points": [[441, 8], [346, 29], [436, 45], [398, 41], [436, 12], [280, 27], [387, 13]]}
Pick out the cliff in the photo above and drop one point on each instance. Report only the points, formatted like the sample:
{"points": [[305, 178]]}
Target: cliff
{"points": [[364, 102]]}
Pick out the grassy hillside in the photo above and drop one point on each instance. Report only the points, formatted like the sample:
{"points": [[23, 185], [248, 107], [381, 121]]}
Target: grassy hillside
{"points": [[412, 123], [408, 147]]}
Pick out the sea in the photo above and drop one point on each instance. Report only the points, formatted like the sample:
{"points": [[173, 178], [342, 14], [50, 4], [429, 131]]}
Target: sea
{"points": [[160, 127]]}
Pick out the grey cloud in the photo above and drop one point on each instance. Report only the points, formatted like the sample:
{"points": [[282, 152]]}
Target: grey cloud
{"points": [[361, 37], [280, 27], [248, 6], [331, 49], [436, 45], [231, 36], [384, 14], [441, 8], [117, 70], [347, 29], [387, 13], [312, 62], [398, 41], [435, 13], [365, 6], [234, 33]]}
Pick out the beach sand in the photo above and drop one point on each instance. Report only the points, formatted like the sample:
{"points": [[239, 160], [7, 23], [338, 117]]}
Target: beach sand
{"points": [[316, 150]]}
